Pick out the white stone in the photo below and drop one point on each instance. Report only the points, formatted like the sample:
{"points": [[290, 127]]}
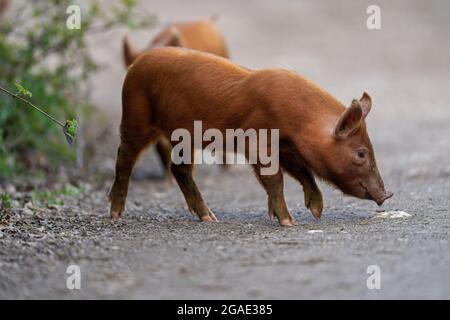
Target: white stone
{"points": [[395, 214]]}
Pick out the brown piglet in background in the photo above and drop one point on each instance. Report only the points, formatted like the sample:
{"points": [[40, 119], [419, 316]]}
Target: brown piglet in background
{"points": [[4, 5], [202, 35], [317, 134]]}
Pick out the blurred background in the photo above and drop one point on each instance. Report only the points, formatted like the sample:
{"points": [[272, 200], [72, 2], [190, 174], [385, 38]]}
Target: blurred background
{"points": [[404, 66]]}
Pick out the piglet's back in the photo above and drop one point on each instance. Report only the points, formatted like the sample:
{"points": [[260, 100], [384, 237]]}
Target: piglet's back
{"points": [[173, 61], [165, 74]]}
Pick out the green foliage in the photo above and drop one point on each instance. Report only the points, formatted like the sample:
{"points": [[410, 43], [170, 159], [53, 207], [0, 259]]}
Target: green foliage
{"points": [[22, 91], [5, 201], [5, 206], [23, 131], [72, 126], [49, 197], [38, 52], [70, 130], [46, 196]]}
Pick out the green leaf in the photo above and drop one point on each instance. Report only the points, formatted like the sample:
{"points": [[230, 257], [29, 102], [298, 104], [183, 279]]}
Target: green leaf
{"points": [[129, 3], [5, 201], [22, 91], [70, 130]]}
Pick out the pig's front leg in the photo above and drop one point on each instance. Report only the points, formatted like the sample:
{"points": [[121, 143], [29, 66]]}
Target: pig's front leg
{"points": [[313, 196], [294, 165], [164, 148], [273, 184]]}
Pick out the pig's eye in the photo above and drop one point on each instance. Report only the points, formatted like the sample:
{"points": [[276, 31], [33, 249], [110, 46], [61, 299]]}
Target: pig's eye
{"points": [[361, 155]]}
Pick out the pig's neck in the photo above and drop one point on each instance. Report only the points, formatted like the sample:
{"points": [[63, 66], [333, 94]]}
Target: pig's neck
{"points": [[312, 121]]}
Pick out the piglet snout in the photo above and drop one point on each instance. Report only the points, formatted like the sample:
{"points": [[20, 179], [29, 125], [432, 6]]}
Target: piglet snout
{"points": [[386, 195]]}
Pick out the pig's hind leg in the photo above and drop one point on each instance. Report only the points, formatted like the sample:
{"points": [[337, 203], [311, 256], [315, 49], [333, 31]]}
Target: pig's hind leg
{"points": [[136, 133], [127, 156], [183, 174], [273, 185]]}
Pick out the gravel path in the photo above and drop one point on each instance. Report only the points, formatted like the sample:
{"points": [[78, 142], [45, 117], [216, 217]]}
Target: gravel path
{"points": [[160, 251]]}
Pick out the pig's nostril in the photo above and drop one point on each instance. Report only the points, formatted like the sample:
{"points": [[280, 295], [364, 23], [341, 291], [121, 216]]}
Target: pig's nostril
{"points": [[387, 195]]}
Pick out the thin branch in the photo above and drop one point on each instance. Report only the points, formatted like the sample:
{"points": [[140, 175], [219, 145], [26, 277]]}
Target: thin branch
{"points": [[16, 96]]}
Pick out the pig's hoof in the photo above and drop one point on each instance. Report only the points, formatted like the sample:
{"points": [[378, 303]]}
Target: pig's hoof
{"points": [[271, 215], [316, 212], [288, 222], [116, 209], [115, 215], [208, 217], [315, 205]]}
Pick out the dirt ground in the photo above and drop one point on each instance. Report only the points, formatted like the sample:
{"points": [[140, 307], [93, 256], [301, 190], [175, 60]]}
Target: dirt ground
{"points": [[159, 251]]}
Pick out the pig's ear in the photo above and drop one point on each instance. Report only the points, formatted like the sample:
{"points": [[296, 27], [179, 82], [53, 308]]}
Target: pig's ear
{"points": [[129, 52], [169, 38], [349, 121], [176, 39], [366, 104]]}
